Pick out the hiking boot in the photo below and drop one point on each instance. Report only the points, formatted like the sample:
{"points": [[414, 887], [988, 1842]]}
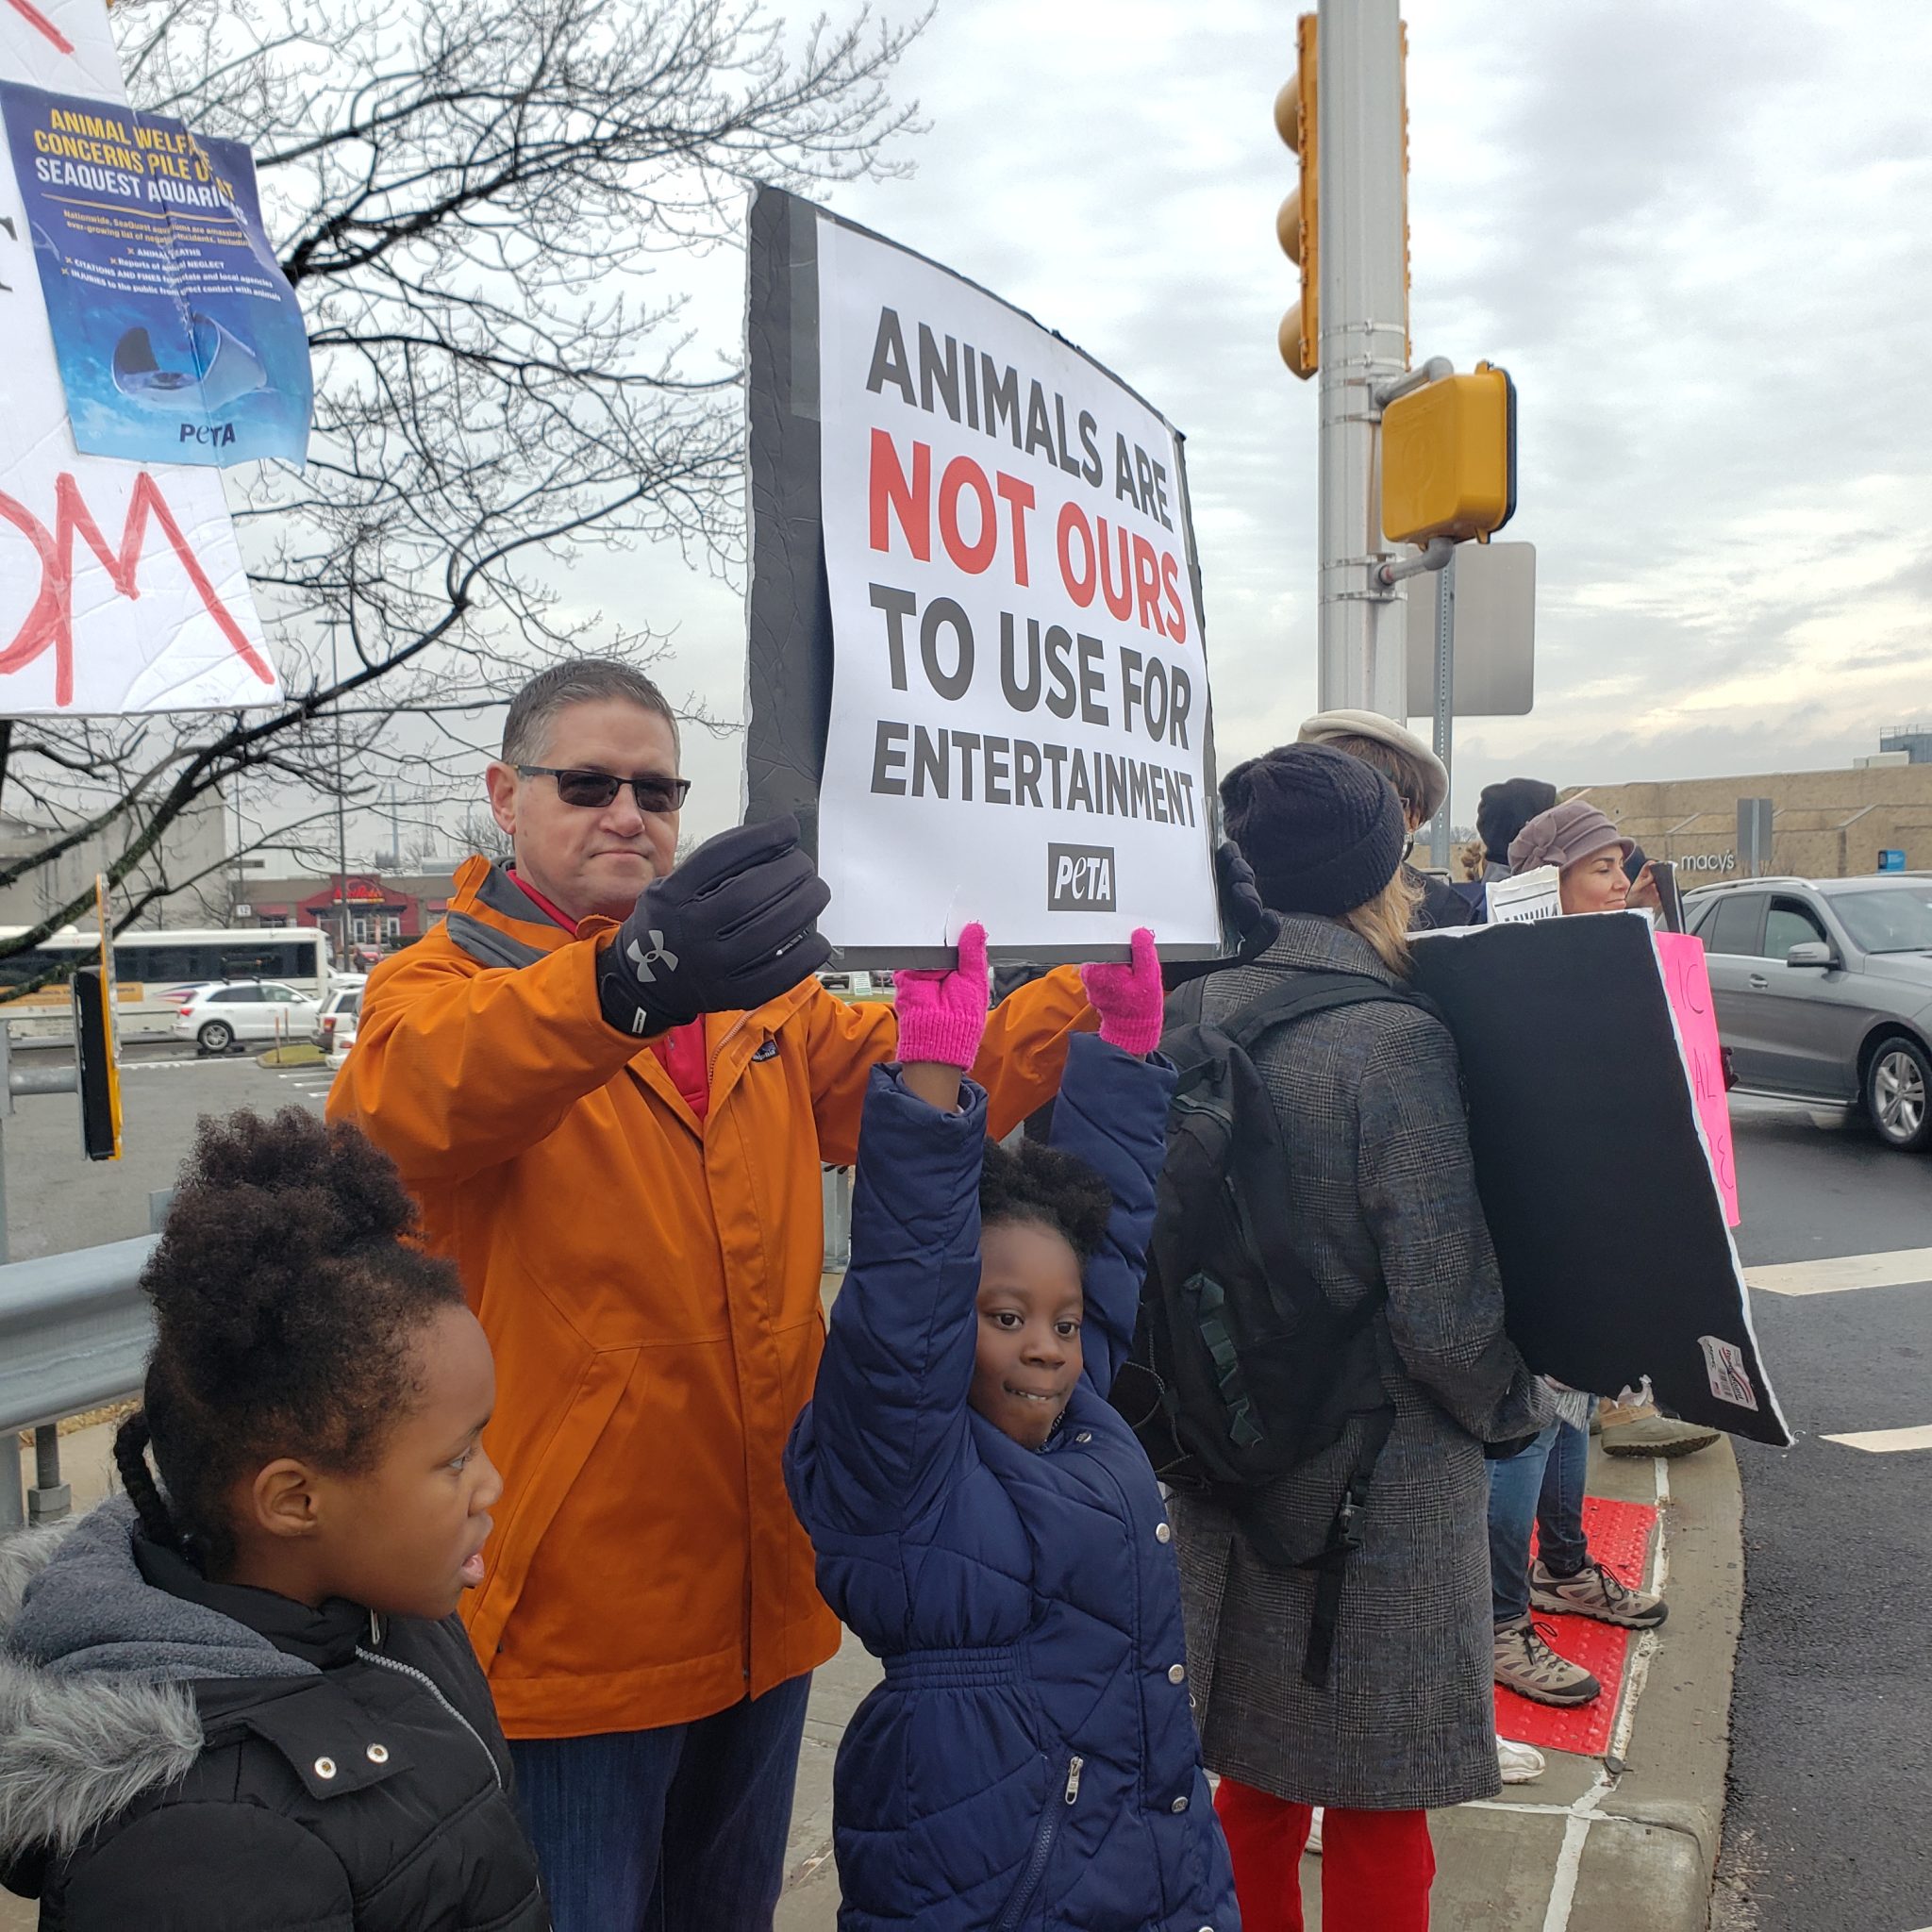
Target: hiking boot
{"points": [[1595, 1591], [1640, 1430], [1526, 1665], [1519, 1764]]}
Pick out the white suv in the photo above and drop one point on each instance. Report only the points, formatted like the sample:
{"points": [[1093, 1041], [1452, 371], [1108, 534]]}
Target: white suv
{"points": [[335, 1024], [215, 1017]]}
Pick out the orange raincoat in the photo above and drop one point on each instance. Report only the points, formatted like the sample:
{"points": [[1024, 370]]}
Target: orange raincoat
{"points": [[650, 1284]]}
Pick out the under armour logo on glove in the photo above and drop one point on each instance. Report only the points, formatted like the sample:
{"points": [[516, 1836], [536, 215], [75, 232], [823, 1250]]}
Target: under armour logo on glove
{"points": [[728, 929], [643, 960]]}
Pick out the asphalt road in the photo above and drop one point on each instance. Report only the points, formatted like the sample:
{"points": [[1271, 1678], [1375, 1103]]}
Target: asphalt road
{"points": [[1831, 1769], [56, 1200]]}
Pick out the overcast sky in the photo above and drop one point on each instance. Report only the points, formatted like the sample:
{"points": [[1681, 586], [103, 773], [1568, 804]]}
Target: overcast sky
{"points": [[1698, 235]]}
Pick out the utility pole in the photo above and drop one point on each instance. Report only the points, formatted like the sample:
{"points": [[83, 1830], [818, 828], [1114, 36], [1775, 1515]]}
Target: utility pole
{"points": [[1363, 270], [341, 820]]}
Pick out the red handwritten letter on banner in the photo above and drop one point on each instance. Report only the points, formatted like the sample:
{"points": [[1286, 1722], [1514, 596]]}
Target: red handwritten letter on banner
{"points": [[50, 622], [1686, 984]]}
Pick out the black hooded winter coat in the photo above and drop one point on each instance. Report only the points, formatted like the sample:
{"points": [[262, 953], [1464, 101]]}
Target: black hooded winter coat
{"points": [[188, 1756]]}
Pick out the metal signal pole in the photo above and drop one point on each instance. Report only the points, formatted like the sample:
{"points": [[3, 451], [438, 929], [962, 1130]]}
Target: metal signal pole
{"points": [[1364, 342]]}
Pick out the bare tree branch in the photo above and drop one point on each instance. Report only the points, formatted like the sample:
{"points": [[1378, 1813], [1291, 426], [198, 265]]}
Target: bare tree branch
{"points": [[477, 205]]}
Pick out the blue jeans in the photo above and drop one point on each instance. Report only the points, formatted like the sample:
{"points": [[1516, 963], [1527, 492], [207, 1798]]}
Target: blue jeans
{"points": [[1542, 1485], [681, 1829]]}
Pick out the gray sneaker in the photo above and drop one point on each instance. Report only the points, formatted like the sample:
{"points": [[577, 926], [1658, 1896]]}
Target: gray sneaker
{"points": [[1647, 1433], [1594, 1592], [1526, 1665]]}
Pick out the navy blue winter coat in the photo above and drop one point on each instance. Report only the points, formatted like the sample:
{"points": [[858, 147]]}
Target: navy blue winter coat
{"points": [[1030, 1760]]}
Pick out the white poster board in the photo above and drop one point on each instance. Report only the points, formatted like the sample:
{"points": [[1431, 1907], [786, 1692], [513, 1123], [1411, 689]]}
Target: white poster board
{"points": [[122, 586], [1019, 712]]}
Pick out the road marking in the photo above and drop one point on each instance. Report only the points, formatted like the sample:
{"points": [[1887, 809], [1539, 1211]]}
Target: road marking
{"points": [[1886, 1443], [1840, 1274], [164, 1066]]}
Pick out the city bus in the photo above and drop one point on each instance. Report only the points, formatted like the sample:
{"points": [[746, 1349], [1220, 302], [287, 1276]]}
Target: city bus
{"points": [[152, 969]]}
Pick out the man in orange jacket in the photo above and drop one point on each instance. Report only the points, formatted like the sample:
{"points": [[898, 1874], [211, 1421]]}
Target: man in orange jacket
{"points": [[609, 1083]]}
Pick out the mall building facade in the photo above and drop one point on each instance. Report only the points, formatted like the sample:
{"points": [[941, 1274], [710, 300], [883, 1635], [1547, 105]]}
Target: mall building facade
{"points": [[1824, 824]]}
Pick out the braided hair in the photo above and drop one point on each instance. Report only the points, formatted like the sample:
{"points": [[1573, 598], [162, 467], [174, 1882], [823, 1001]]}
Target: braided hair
{"points": [[1048, 1188], [288, 1293]]}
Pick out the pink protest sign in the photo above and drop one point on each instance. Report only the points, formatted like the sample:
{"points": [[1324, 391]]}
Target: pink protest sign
{"points": [[1686, 984]]}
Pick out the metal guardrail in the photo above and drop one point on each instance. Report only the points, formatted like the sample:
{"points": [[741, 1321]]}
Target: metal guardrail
{"points": [[74, 1332]]}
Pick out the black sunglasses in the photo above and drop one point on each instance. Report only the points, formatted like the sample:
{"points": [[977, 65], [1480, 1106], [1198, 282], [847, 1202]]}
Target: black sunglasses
{"points": [[595, 790]]}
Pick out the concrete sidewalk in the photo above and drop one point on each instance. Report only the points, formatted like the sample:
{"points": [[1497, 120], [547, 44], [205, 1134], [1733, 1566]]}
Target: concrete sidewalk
{"points": [[1628, 1844]]}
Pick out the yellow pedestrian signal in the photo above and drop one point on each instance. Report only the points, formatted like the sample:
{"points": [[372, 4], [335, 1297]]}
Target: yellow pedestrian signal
{"points": [[1296, 227], [1449, 459]]}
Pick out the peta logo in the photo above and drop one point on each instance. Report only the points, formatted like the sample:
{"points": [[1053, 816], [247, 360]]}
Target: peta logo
{"points": [[644, 961], [1079, 878], [213, 435]]}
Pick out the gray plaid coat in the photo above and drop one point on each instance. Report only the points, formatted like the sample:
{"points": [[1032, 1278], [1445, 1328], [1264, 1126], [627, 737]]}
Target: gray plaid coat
{"points": [[1383, 1191]]}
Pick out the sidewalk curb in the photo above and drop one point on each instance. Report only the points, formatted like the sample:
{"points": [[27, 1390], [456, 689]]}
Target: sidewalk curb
{"points": [[1638, 1848]]}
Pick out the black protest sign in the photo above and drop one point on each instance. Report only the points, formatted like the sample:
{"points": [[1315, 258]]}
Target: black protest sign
{"points": [[1608, 1225]]}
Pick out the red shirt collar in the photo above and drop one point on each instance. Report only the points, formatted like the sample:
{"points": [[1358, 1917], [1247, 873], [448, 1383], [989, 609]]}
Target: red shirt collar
{"points": [[556, 913]]}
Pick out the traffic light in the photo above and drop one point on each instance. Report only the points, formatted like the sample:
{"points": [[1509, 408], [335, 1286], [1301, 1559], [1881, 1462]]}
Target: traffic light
{"points": [[97, 1062], [1449, 459], [97, 1075], [1295, 223]]}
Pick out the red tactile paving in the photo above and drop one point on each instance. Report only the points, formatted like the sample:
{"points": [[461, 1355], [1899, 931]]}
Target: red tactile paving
{"points": [[1619, 1537]]}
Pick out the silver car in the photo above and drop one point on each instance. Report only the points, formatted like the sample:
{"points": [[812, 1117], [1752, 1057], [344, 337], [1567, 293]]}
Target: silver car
{"points": [[1823, 990]]}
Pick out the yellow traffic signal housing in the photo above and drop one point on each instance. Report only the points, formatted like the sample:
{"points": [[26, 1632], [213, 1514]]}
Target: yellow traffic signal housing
{"points": [[1449, 459], [1296, 224]]}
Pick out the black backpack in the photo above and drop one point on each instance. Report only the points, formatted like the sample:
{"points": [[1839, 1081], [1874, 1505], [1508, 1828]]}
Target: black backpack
{"points": [[1242, 1369]]}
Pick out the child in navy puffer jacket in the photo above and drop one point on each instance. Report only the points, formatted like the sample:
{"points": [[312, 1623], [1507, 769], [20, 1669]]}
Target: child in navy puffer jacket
{"points": [[984, 1519]]}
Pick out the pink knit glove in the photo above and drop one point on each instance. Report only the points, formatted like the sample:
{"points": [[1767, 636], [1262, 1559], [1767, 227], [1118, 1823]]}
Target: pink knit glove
{"points": [[1128, 998], [943, 1014]]}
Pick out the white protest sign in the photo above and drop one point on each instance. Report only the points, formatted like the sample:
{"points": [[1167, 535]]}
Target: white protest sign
{"points": [[120, 583], [1019, 724], [1527, 896]]}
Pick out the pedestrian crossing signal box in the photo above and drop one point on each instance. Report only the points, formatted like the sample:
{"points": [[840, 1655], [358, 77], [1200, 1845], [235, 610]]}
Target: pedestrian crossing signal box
{"points": [[1449, 459], [96, 1059], [96, 1073]]}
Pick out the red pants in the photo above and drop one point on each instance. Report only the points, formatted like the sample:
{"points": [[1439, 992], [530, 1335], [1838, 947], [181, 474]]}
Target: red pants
{"points": [[1376, 1866]]}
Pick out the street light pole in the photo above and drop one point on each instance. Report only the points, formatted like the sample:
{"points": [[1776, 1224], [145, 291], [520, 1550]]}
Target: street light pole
{"points": [[1364, 342], [341, 820]]}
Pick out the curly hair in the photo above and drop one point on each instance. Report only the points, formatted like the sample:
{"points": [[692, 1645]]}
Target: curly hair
{"points": [[1040, 1185], [287, 1296]]}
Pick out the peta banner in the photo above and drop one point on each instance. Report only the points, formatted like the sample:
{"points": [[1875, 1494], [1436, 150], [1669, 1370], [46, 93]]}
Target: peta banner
{"points": [[122, 586], [993, 703], [179, 337]]}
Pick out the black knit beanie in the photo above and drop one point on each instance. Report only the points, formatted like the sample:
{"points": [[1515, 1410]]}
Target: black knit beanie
{"points": [[1324, 831], [1504, 808]]}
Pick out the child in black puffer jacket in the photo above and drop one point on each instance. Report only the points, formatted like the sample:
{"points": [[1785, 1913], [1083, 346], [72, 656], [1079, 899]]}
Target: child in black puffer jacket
{"points": [[239, 1697]]}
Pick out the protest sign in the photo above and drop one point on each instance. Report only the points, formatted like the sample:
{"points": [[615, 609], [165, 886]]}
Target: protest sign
{"points": [[179, 337], [1609, 1228], [977, 664], [1687, 985], [121, 585], [1536, 895]]}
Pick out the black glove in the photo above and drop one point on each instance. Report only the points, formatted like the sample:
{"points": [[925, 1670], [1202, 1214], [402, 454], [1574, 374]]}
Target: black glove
{"points": [[731, 927], [1242, 911]]}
